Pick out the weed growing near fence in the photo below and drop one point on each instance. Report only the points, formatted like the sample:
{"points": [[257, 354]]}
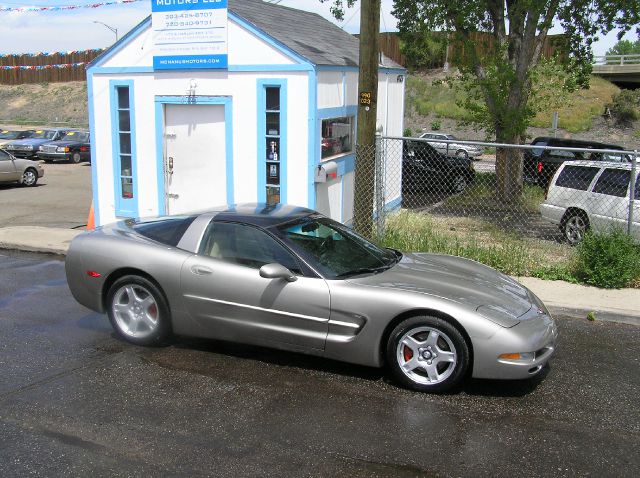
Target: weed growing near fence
{"points": [[610, 260]]}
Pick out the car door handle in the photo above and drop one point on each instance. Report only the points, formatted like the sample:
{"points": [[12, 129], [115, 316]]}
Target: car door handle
{"points": [[201, 270]]}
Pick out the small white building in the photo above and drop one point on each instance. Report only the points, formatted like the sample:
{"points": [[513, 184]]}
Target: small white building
{"points": [[282, 101]]}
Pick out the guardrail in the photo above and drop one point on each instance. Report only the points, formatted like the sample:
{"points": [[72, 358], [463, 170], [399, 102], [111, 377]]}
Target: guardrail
{"points": [[617, 60]]}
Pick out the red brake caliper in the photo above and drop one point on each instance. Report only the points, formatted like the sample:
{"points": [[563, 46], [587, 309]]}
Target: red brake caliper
{"points": [[407, 353]]}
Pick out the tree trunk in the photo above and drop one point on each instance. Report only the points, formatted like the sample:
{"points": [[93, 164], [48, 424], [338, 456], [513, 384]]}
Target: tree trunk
{"points": [[365, 169], [509, 163]]}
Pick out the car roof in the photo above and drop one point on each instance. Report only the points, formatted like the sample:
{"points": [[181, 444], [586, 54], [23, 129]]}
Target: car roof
{"points": [[261, 214], [551, 141], [598, 164]]}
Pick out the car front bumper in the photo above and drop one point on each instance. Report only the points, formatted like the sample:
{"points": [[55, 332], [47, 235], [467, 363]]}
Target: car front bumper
{"points": [[536, 336], [54, 156]]}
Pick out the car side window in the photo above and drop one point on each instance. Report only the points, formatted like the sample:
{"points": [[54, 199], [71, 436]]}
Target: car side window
{"points": [[245, 245], [576, 177], [4, 156], [614, 182]]}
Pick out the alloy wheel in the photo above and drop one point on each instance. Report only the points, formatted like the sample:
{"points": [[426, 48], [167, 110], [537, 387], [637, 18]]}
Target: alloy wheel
{"points": [[575, 228], [29, 178], [426, 355], [135, 311]]}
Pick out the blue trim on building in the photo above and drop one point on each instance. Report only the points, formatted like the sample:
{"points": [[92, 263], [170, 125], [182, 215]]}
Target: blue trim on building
{"points": [[225, 101], [336, 68], [261, 86], [313, 138], [94, 149], [394, 205], [124, 207], [340, 111]]}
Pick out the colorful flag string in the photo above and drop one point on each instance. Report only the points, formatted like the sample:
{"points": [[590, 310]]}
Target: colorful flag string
{"points": [[46, 53], [66, 7], [59, 66]]}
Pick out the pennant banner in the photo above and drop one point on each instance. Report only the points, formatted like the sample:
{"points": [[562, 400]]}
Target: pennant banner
{"points": [[46, 53], [65, 7], [43, 67]]}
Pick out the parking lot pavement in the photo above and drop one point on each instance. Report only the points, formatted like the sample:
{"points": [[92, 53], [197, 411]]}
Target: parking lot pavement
{"points": [[61, 198], [76, 401]]}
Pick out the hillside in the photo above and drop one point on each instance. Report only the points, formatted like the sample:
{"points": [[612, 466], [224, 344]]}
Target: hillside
{"points": [[44, 104], [431, 103]]}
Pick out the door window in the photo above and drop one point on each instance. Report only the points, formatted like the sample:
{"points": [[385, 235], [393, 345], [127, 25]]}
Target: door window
{"points": [[576, 177], [614, 182], [4, 156], [246, 246]]}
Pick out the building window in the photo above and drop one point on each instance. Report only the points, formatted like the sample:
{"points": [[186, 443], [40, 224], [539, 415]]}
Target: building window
{"points": [[337, 136], [272, 143], [124, 161]]}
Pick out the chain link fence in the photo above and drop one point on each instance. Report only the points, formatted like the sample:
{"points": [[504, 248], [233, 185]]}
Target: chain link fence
{"points": [[528, 204]]}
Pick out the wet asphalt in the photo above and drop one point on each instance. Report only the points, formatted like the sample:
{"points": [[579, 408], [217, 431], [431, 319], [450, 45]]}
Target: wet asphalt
{"points": [[76, 401]]}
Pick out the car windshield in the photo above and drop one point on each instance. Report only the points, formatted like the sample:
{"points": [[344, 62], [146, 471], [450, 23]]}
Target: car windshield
{"points": [[79, 136], [8, 134], [536, 151], [450, 136], [333, 249], [44, 134]]}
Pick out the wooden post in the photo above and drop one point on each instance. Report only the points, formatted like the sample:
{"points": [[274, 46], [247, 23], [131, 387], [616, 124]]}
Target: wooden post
{"points": [[367, 113]]}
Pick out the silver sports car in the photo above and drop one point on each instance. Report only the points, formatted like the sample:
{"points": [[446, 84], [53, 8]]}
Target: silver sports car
{"points": [[290, 278]]}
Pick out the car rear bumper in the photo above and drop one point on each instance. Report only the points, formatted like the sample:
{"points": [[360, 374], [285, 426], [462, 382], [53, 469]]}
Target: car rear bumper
{"points": [[536, 337], [552, 213]]}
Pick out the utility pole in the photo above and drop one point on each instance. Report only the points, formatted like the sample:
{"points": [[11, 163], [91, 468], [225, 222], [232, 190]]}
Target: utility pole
{"points": [[367, 112]]}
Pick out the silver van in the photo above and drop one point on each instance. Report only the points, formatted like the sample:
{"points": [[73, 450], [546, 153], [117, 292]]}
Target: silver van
{"points": [[592, 195]]}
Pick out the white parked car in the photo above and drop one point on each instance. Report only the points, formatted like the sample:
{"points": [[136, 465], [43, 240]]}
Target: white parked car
{"points": [[592, 195], [463, 151]]}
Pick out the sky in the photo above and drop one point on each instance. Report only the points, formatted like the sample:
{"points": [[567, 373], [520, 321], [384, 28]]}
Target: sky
{"points": [[31, 32]]}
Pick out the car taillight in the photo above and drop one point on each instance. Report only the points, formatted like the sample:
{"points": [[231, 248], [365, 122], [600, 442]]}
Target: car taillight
{"points": [[84, 149], [539, 166]]}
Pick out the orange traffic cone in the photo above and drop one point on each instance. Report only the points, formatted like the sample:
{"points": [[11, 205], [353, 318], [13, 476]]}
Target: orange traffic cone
{"points": [[91, 220]]}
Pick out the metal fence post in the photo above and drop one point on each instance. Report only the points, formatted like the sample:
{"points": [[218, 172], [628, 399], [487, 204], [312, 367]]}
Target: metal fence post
{"points": [[379, 185], [632, 190]]}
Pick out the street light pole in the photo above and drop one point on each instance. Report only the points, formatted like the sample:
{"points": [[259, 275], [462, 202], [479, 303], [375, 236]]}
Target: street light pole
{"points": [[113, 29]]}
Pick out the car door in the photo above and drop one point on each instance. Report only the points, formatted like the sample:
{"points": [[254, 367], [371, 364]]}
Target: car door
{"points": [[609, 201], [224, 292], [8, 170]]}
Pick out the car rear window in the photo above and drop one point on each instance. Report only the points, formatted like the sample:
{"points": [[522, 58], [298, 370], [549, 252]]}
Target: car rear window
{"points": [[614, 182], [167, 230], [576, 177]]}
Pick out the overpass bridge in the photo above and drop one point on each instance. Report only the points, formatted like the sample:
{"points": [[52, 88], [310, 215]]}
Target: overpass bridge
{"points": [[623, 70]]}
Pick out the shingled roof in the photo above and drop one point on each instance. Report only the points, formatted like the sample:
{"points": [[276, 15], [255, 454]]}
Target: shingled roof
{"points": [[308, 34]]}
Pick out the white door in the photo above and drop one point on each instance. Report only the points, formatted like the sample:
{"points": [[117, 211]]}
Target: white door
{"points": [[195, 157]]}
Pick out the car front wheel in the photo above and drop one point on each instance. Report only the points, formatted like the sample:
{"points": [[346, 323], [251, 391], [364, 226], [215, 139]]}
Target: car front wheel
{"points": [[138, 311], [462, 154], [29, 177], [427, 354], [76, 158]]}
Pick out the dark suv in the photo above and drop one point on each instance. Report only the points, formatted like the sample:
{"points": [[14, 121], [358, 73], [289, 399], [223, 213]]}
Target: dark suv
{"points": [[541, 164], [423, 167]]}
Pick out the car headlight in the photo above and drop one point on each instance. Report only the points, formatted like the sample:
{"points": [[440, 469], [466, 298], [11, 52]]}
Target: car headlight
{"points": [[62, 149], [40, 148]]}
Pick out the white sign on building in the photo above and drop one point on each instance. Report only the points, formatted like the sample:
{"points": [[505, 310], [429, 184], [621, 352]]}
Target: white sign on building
{"points": [[189, 34]]}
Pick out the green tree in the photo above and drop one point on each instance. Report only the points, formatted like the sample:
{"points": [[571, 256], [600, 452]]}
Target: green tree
{"points": [[625, 47], [501, 75]]}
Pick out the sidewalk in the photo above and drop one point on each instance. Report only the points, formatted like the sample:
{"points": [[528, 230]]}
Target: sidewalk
{"points": [[562, 298]]}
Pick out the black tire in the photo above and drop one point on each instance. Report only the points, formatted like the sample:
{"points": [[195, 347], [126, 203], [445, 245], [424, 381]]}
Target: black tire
{"points": [[574, 226], [450, 345], [75, 158], [462, 154], [459, 183], [142, 288], [29, 178]]}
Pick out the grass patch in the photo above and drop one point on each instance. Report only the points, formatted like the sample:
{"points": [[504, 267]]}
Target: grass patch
{"points": [[426, 97], [482, 192], [585, 105], [473, 239], [610, 260]]}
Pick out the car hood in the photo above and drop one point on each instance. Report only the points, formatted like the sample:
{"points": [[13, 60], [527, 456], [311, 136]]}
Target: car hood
{"points": [[64, 143], [31, 141], [494, 295]]}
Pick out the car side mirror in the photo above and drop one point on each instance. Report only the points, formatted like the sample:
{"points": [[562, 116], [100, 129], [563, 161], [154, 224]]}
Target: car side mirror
{"points": [[277, 271]]}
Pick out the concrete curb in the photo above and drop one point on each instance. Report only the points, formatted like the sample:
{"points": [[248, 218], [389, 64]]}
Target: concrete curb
{"points": [[37, 239]]}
